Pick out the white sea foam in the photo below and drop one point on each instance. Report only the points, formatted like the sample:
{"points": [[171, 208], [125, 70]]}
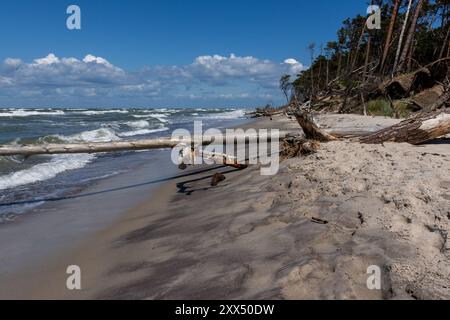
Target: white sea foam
{"points": [[99, 135], [100, 112], [45, 171], [141, 132], [29, 113], [58, 163], [161, 117], [141, 124], [109, 132], [140, 116], [236, 114]]}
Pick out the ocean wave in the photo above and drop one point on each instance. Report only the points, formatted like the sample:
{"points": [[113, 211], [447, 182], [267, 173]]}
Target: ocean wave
{"points": [[99, 135], [229, 115], [161, 117], [100, 112], [141, 124], [29, 113], [140, 116], [137, 122], [141, 132], [45, 171]]}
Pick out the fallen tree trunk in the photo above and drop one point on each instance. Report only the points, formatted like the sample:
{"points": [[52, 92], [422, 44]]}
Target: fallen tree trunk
{"points": [[442, 101], [416, 130], [428, 98], [400, 86], [311, 129], [116, 146]]}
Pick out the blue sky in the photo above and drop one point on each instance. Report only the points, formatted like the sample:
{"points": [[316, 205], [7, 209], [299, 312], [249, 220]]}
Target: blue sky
{"points": [[159, 53]]}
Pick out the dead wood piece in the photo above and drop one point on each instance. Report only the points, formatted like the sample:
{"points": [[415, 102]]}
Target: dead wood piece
{"points": [[318, 220], [423, 79], [442, 102], [117, 146], [217, 178], [400, 86], [439, 71], [415, 130], [311, 129], [427, 98], [296, 147]]}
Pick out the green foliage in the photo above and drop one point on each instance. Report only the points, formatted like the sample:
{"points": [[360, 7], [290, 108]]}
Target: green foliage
{"points": [[402, 109], [380, 107]]}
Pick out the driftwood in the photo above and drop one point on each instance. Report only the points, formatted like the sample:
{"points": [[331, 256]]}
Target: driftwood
{"points": [[443, 101], [310, 128], [400, 86], [115, 146], [421, 79], [293, 147], [427, 99], [416, 130]]}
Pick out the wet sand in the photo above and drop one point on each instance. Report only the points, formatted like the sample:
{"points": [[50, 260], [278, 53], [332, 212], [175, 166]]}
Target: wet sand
{"points": [[310, 232]]}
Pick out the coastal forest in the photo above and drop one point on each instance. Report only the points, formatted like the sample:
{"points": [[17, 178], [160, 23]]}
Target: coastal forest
{"points": [[396, 69]]}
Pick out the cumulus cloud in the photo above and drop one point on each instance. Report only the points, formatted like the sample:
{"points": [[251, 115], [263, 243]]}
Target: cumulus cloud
{"points": [[50, 59], [12, 62], [232, 67], [209, 76], [295, 67]]}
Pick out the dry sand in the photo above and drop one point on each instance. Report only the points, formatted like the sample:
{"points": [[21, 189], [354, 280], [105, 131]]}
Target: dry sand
{"points": [[256, 237]]}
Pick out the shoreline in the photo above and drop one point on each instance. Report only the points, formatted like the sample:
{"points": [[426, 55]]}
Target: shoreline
{"points": [[255, 237], [61, 223]]}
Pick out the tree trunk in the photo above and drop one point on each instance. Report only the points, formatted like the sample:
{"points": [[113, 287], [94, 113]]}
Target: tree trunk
{"points": [[366, 62], [117, 146], [355, 58], [339, 64], [387, 45], [400, 40], [410, 35], [429, 99], [415, 130], [328, 71], [310, 128]]}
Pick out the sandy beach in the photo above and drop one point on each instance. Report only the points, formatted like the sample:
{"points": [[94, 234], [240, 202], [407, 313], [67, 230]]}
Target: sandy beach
{"points": [[310, 232]]}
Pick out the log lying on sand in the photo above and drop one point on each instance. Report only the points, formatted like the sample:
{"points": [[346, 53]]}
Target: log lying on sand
{"points": [[416, 130], [115, 146]]}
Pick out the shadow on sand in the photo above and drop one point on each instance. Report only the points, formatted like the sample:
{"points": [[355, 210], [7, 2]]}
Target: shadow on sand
{"points": [[155, 181]]}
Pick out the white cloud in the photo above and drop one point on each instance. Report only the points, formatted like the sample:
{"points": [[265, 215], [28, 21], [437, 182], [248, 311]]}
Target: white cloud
{"points": [[5, 82], [217, 66], [294, 66], [12, 62], [90, 58], [50, 59], [207, 77]]}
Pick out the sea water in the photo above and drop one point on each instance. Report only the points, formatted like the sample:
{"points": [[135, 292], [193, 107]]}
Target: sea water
{"points": [[26, 183]]}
